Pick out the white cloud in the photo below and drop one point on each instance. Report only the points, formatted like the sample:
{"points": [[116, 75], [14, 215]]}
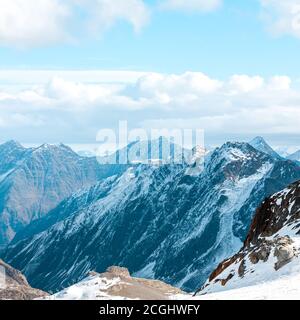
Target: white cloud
{"points": [[65, 110], [282, 17], [192, 5], [167, 88], [34, 23], [31, 23], [103, 14], [280, 83], [60, 89], [244, 83]]}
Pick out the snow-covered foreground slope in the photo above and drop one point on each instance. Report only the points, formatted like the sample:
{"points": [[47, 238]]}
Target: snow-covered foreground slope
{"points": [[158, 221], [105, 287], [284, 288], [269, 262]]}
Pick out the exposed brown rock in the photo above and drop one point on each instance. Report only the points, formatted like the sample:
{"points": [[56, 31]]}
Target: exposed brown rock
{"points": [[118, 271], [270, 217], [284, 251], [137, 288], [15, 286], [282, 209], [222, 266], [242, 268]]}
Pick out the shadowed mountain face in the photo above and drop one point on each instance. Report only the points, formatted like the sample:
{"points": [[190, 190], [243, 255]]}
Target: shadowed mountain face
{"points": [[158, 221], [271, 249], [34, 181]]}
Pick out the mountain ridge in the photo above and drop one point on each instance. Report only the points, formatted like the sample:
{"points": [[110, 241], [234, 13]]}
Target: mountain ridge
{"points": [[35, 180], [154, 220], [260, 144]]}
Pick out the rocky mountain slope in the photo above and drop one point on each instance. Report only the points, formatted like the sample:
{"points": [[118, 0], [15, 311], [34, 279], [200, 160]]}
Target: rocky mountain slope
{"points": [[116, 284], [14, 286], [35, 180], [158, 221], [271, 251]]}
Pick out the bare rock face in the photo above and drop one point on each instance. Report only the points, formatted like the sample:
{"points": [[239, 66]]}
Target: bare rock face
{"points": [[14, 286], [119, 271], [285, 251], [270, 241], [137, 288]]}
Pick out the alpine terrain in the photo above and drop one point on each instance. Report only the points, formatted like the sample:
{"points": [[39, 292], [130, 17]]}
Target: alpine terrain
{"points": [[14, 286], [268, 265], [116, 284], [35, 180], [166, 222]]}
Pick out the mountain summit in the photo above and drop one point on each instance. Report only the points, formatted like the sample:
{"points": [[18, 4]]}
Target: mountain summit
{"points": [[295, 156], [260, 144]]}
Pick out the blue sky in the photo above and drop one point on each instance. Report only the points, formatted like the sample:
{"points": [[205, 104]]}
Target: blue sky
{"points": [[231, 61], [232, 39]]}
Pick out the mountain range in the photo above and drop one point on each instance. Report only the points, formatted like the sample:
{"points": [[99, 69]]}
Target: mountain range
{"points": [[35, 180], [160, 222], [266, 267]]}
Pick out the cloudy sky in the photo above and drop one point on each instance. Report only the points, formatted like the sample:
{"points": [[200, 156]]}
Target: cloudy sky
{"points": [[71, 67]]}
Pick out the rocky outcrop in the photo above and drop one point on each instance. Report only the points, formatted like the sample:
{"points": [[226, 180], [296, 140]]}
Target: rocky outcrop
{"points": [[14, 286], [117, 283], [271, 244]]}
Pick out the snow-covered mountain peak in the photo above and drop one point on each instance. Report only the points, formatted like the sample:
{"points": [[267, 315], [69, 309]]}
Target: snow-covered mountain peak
{"points": [[11, 144], [157, 150], [236, 160], [57, 149], [234, 151], [260, 144], [295, 156]]}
